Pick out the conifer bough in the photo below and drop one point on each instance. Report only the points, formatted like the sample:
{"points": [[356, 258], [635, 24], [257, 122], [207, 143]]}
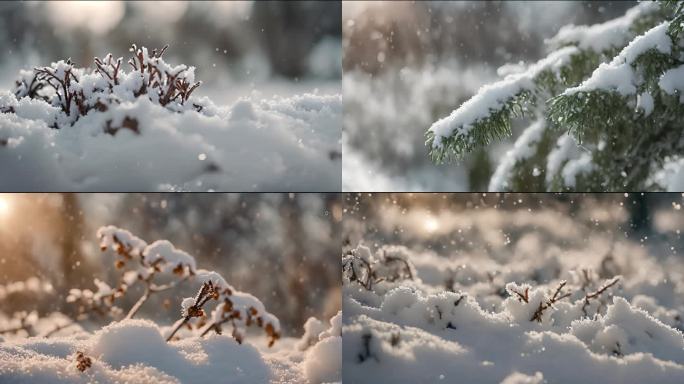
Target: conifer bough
{"points": [[605, 109]]}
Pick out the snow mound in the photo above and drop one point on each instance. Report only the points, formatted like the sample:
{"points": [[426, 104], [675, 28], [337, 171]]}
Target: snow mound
{"points": [[133, 351], [145, 130], [323, 362], [487, 328]]}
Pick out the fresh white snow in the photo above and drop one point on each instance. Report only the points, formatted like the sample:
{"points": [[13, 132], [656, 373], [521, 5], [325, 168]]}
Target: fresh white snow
{"points": [[151, 142], [519, 294]]}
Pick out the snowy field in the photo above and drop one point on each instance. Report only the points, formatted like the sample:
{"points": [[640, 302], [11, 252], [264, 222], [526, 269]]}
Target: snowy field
{"points": [[513, 289]]}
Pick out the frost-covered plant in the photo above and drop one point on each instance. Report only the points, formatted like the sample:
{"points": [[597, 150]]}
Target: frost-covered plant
{"points": [[137, 262], [21, 321], [388, 264], [77, 91], [605, 108], [160, 267], [414, 331]]}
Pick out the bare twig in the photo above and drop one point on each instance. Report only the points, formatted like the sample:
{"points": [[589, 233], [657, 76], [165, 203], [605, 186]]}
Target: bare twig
{"points": [[524, 297], [537, 316], [596, 294]]}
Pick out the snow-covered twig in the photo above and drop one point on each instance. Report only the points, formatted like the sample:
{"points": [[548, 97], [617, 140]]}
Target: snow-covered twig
{"points": [[595, 295], [207, 292]]}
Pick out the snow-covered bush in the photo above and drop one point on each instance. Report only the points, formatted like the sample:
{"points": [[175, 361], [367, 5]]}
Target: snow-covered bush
{"points": [[511, 290], [70, 128], [40, 320], [604, 106], [160, 267]]}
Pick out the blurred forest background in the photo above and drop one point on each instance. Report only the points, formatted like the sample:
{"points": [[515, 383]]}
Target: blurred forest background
{"points": [[407, 64], [601, 230], [282, 248], [272, 47]]}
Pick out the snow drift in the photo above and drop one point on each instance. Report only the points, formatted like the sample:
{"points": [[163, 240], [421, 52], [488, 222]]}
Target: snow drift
{"points": [[537, 292], [68, 128]]}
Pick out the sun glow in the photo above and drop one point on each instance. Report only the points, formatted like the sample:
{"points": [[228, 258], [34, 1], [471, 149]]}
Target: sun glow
{"points": [[430, 224], [5, 205]]}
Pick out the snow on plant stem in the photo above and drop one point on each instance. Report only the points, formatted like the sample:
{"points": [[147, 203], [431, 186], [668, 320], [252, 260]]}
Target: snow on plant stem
{"points": [[153, 265], [111, 129], [477, 121]]}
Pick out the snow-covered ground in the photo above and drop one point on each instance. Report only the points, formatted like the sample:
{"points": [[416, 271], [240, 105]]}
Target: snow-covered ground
{"points": [[122, 138], [513, 289], [134, 351]]}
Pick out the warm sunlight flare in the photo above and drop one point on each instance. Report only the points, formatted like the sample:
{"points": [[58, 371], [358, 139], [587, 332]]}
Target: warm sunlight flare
{"points": [[431, 224], [5, 206]]}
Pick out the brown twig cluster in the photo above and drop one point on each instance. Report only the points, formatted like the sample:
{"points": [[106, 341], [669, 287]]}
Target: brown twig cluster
{"points": [[229, 313], [61, 80], [109, 69], [162, 83], [169, 85], [367, 272], [83, 362], [134, 268], [558, 295], [29, 86], [207, 292], [537, 316]]}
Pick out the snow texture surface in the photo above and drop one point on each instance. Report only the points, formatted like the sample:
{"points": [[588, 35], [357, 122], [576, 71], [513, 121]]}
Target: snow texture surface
{"points": [[125, 141], [510, 295]]}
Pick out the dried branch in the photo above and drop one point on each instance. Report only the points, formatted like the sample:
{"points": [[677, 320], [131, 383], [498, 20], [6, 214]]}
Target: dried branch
{"points": [[109, 69], [207, 292], [59, 328], [163, 84], [522, 297], [597, 294], [557, 296]]}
